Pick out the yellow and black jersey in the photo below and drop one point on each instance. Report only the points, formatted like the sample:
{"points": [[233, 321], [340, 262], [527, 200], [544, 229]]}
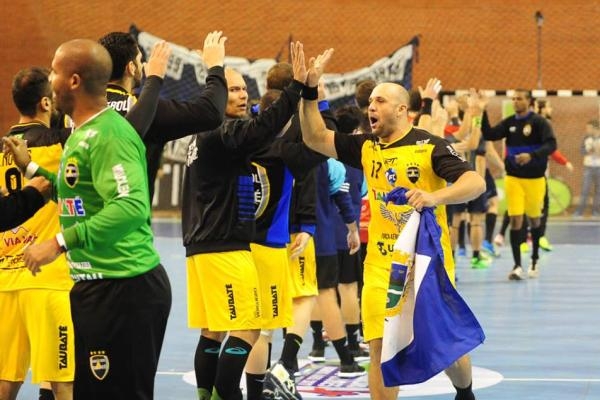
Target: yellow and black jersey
{"points": [[45, 146], [417, 160]]}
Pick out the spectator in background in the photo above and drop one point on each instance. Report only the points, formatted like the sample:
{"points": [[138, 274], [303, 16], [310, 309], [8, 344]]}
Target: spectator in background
{"points": [[590, 148]]}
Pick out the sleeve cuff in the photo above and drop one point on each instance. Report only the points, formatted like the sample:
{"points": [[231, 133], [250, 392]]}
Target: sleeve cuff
{"points": [[31, 169]]}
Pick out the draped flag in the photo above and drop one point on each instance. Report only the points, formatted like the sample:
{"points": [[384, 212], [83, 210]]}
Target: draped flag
{"points": [[428, 325]]}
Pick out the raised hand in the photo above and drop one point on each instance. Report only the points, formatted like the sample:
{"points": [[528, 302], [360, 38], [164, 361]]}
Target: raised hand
{"points": [[298, 62], [317, 67], [18, 148], [158, 60], [433, 87], [213, 53]]}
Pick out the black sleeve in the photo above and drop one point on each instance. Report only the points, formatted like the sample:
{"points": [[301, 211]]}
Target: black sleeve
{"points": [[18, 207], [298, 157], [349, 148], [447, 164], [492, 133], [548, 140], [142, 113], [176, 119], [304, 203], [250, 135]]}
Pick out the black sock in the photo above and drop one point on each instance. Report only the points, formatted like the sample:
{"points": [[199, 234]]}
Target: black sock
{"points": [[269, 355], [515, 245], [46, 394], [254, 386], [461, 234], [536, 234], [464, 394], [317, 333], [353, 335], [205, 362], [490, 224], [476, 254], [505, 223], [291, 346], [342, 351], [231, 365]]}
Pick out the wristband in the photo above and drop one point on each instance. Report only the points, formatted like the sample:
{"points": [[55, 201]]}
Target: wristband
{"points": [[476, 122], [323, 105], [426, 106], [310, 93], [31, 169], [60, 239]]}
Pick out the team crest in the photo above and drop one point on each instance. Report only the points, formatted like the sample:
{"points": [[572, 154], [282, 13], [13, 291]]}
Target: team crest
{"points": [[412, 173], [99, 364], [527, 130], [390, 175], [71, 172], [260, 179]]}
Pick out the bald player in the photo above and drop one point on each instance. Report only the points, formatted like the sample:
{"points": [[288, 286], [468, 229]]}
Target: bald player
{"points": [[396, 154], [121, 297]]}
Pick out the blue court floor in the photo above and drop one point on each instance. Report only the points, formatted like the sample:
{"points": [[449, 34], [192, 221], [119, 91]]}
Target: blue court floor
{"points": [[543, 335]]}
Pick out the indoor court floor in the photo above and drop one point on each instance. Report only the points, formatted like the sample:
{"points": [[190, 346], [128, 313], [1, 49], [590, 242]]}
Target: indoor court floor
{"points": [[543, 335]]}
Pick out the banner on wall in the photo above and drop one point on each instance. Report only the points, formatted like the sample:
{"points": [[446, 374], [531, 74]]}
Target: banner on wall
{"points": [[186, 74]]}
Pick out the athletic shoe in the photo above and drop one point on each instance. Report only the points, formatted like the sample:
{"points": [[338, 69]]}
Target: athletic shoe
{"points": [[524, 247], [279, 384], [545, 244], [351, 371], [516, 274], [359, 354], [534, 270], [317, 355], [499, 240], [479, 263], [490, 249], [462, 252]]}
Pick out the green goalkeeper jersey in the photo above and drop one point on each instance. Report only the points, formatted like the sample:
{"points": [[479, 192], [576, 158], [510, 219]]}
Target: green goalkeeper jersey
{"points": [[102, 195]]}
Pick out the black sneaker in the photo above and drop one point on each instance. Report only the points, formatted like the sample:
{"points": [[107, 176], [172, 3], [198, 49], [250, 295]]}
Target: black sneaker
{"points": [[359, 354], [351, 371], [279, 384], [317, 355]]}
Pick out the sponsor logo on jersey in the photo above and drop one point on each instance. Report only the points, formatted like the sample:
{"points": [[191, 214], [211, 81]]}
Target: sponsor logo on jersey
{"points": [[99, 364], [63, 347], [71, 172], [454, 153], [527, 130], [121, 178], [71, 207], [391, 176], [230, 301], [192, 153]]}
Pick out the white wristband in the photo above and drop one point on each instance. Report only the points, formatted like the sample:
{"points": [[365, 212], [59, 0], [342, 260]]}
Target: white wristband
{"points": [[61, 241], [31, 170]]}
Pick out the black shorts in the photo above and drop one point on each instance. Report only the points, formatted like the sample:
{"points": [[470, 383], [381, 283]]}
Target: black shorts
{"points": [[478, 205], [350, 267], [119, 329], [327, 272]]}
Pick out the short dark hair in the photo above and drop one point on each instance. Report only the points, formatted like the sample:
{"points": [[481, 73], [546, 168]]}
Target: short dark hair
{"points": [[348, 118], [363, 92], [122, 48], [270, 96], [29, 86], [280, 76], [414, 101]]}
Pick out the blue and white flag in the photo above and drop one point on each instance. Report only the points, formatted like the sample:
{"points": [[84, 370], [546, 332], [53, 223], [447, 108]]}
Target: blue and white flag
{"points": [[428, 326]]}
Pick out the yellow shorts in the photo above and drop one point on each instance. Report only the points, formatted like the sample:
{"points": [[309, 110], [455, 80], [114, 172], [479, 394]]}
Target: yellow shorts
{"points": [[374, 299], [273, 278], [37, 331], [223, 291], [304, 271], [525, 196]]}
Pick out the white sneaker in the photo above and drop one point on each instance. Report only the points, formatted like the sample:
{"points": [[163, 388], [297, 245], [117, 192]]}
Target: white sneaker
{"points": [[533, 271], [516, 274]]}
